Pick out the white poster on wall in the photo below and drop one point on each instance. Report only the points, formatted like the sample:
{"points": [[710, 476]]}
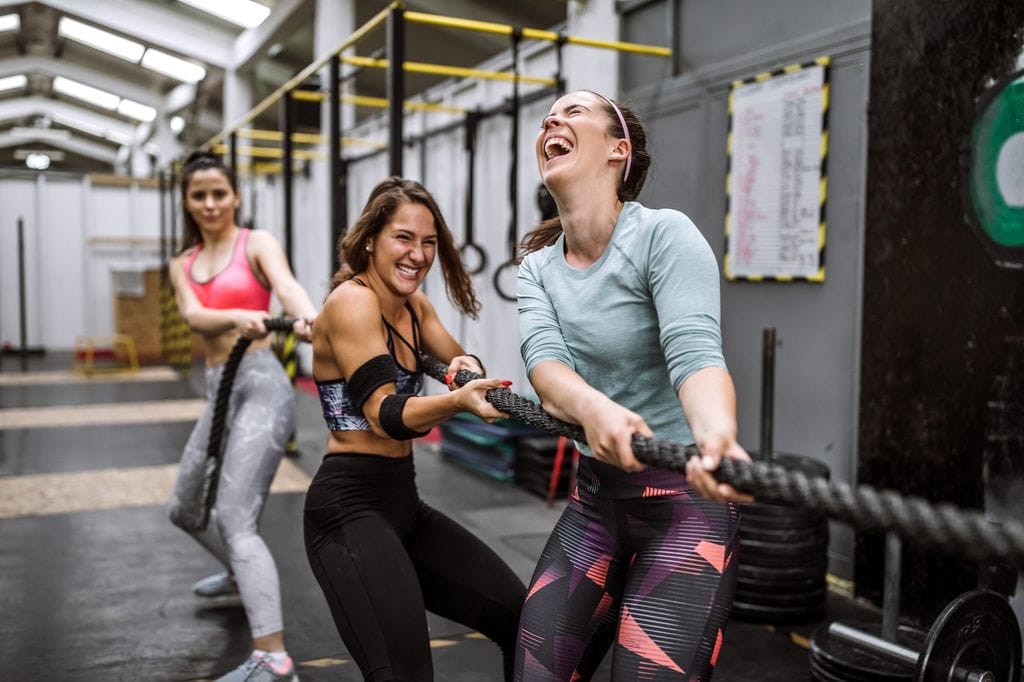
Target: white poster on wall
{"points": [[778, 144]]}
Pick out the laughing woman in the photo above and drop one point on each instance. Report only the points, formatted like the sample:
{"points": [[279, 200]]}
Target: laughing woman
{"points": [[618, 316], [382, 556]]}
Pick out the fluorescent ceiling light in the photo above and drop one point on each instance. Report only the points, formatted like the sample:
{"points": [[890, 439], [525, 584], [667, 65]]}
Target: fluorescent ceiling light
{"points": [[101, 40], [13, 82], [40, 133], [242, 12], [172, 66], [86, 93], [10, 22], [37, 161], [78, 125], [135, 110]]}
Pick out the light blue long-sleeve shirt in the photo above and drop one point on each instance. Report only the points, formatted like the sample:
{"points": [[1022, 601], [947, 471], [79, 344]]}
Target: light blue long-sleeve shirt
{"points": [[637, 322]]}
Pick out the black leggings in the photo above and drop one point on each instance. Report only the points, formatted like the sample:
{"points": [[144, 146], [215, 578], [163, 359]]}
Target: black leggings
{"points": [[382, 557]]}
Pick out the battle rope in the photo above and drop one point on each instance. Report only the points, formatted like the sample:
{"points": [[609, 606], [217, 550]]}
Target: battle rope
{"points": [[941, 526], [220, 414]]}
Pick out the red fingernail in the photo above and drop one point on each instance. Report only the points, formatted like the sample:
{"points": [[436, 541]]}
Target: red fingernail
{"points": [[447, 378], [506, 383]]}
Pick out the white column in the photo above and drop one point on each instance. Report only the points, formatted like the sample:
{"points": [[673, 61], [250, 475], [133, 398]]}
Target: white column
{"points": [[589, 67]]}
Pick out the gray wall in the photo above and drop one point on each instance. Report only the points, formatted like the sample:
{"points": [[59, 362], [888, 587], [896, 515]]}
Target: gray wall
{"points": [[817, 357]]}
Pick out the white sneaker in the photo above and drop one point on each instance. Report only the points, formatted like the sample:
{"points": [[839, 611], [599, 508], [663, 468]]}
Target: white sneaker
{"points": [[217, 585], [259, 669]]}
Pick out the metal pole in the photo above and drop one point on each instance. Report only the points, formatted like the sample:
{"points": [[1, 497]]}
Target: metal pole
{"points": [[22, 323], [233, 151], [885, 648], [891, 586], [767, 393], [162, 184], [396, 89], [287, 125], [338, 216], [173, 221]]}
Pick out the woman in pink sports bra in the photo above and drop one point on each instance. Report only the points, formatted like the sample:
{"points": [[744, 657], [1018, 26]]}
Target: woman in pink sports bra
{"points": [[222, 281]]}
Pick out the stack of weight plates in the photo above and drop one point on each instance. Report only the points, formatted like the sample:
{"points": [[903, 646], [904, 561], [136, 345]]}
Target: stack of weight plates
{"points": [[783, 557], [835, 660], [534, 461]]}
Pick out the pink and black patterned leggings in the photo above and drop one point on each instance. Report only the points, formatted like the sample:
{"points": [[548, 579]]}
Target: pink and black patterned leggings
{"points": [[637, 562]]}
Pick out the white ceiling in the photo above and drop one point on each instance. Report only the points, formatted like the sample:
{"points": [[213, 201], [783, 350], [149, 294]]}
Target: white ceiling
{"points": [[37, 51]]}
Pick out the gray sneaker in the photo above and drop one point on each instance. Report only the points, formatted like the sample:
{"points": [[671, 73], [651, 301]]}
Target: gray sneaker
{"points": [[259, 669], [218, 585]]}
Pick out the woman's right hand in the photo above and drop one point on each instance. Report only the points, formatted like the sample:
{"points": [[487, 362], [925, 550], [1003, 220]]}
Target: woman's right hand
{"points": [[610, 428], [472, 398], [249, 323]]}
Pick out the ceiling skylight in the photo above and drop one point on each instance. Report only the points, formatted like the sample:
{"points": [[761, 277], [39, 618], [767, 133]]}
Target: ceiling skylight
{"points": [[86, 93], [10, 22], [135, 110], [245, 13], [177, 124], [13, 82], [126, 49], [173, 66]]}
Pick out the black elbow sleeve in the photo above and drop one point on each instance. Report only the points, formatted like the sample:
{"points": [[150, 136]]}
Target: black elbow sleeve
{"points": [[391, 418]]}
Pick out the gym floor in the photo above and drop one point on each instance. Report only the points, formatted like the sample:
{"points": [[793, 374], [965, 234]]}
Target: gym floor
{"points": [[94, 580]]}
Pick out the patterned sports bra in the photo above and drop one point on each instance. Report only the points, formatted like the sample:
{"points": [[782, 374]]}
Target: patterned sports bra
{"points": [[339, 412]]}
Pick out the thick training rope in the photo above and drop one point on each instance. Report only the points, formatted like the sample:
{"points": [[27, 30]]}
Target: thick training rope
{"points": [[941, 526]]}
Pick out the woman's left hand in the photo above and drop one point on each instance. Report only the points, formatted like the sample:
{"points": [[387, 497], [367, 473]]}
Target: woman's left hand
{"points": [[303, 328], [699, 469]]}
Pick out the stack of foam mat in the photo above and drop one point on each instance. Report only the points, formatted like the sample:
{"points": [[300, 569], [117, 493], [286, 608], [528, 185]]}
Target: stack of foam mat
{"points": [[489, 449], [534, 462], [783, 557]]}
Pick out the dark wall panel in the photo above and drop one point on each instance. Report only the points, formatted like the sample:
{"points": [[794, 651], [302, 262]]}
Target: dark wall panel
{"points": [[938, 313]]}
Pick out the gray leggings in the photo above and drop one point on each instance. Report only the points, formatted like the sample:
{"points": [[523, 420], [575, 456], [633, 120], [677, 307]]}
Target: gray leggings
{"points": [[261, 415]]}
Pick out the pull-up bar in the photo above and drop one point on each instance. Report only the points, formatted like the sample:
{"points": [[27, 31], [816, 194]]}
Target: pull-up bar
{"points": [[534, 34], [445, 70], [377, 102]]}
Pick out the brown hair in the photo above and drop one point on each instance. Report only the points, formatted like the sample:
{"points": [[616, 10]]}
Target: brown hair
{"points": [[384, 200], [199, 160], [547, 231]]}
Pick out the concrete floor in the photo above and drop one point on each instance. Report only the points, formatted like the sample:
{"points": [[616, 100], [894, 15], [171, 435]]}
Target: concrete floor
{"points": [[98, 588]]}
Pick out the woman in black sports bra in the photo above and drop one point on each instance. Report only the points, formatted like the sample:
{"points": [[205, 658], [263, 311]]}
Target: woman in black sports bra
{"points": [[382, 556]]}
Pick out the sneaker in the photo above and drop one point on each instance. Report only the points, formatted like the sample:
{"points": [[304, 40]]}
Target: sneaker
{"points": [[258, 668], [218, 585]]}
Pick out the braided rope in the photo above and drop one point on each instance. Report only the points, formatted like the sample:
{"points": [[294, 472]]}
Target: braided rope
{"points": [[940, 526], [220, 406]]}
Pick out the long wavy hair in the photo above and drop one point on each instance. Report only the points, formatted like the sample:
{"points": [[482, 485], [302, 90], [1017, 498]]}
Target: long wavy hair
{"points": [[199, 160], [547, 231], [385, 199]]}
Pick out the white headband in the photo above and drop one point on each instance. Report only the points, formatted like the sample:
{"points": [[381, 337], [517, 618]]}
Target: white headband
{"points": [[625, 133]]}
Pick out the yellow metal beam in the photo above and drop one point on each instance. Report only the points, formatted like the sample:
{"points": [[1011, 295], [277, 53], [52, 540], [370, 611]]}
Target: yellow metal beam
{"points": [[376, 102], [443, 70], [303, 138], [356, 36], [272, 152], [534, 34]]}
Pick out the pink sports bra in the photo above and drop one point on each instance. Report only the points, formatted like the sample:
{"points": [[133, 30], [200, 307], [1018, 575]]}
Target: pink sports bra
{"points": [[236, 286]]}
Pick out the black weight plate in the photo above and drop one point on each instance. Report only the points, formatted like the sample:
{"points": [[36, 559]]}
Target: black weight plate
{"points": [[823, 670], [783, 573], [845, 657], [808, 543], [976, 631], [799, 585], [766, 533], [755, 613], [808, 466], [807, 599], [782, 559]]}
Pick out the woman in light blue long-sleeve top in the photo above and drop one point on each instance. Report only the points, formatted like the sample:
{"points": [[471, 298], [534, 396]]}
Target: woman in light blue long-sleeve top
{"points": [[619, 325]]}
